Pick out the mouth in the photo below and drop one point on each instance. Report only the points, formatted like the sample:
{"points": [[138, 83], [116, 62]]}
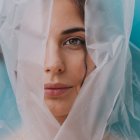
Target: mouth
{"points": [[56, 90]]}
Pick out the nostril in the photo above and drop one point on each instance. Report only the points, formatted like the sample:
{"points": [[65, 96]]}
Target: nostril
{"points": [[60, 70], [47, 70]]}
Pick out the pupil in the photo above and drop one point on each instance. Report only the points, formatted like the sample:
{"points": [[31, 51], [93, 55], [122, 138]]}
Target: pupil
{"points": [[74, 41]]}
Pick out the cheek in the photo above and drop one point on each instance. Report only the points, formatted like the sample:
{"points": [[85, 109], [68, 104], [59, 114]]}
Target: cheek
{"points": [[90, 64], [75, 65]]}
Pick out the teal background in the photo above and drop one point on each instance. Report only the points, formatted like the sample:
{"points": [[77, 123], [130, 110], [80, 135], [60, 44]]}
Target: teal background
{"points": [[135, 35], [9, 115]]}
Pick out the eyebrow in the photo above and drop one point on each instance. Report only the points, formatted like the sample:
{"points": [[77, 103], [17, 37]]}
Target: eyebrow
{"points": [[73, 30]]}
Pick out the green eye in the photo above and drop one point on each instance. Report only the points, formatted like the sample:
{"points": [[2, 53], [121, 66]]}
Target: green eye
{"points": [[74, 43]]}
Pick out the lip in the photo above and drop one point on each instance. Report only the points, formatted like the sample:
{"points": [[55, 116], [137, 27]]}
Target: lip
{"points": [[56, 89]]}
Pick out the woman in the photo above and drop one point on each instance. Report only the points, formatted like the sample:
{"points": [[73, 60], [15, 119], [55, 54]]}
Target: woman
{"points": [[66, 58], [68, 68]]}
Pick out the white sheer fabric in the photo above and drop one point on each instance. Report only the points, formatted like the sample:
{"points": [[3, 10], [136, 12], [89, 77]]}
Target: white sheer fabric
{"points": [[23, 42]]}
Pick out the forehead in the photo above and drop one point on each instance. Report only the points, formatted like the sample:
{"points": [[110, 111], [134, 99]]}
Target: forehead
{"points": [[65, 15]]}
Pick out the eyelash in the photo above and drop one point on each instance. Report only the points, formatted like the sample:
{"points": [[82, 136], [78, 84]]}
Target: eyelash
{"points": [[74, 45]]}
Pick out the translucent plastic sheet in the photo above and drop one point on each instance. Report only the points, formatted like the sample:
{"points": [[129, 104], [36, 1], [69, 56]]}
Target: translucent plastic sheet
{"points": [[106, 106]]}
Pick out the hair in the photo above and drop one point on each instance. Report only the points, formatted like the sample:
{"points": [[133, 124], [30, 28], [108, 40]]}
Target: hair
{"points": [[80, 4]]}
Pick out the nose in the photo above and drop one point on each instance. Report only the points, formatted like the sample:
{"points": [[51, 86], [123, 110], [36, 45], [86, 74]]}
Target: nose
{"points": [[54, 62]]}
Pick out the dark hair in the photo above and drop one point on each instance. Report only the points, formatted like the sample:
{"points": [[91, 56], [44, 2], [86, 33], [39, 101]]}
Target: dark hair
{"points": [[80, 4]]}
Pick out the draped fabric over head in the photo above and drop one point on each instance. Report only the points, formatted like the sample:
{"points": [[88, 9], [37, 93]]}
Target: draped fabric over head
{"points": [[106, 107]]}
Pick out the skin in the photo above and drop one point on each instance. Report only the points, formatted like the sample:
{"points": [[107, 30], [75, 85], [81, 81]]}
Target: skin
{"points": [[65, 57]]}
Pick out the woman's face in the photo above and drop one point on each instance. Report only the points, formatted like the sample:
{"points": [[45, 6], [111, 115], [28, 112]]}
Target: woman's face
{"points": [[65, 63]]}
